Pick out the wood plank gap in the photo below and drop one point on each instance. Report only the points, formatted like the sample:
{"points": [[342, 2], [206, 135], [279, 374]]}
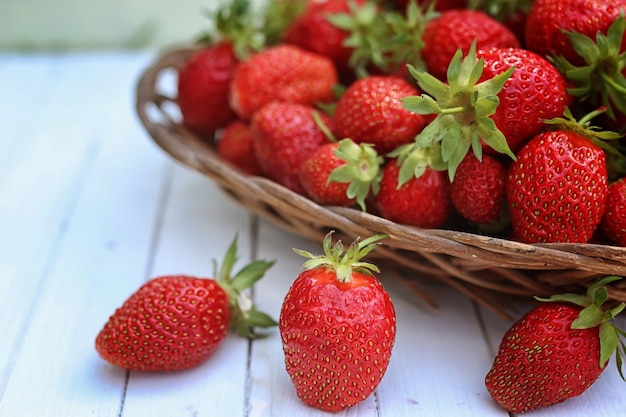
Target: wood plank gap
{"points": [[483, 329], [123, 396], [91, 152], [254, 253]]}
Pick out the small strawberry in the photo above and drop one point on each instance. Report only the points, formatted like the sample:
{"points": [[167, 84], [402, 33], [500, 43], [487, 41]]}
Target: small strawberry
{"points": [[284, 135], [556, 351], [549, 21], [338, 327], [423, 200], [235, 146], [613, 224], [282, 73], [341, 173], [557, 187], [176, 322], [478, 190], [371, 111], [457, 29]]}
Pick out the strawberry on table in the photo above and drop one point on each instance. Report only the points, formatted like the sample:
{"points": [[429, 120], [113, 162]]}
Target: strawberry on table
{"points": [[338, 327], [176, 322], [557, 187], [284, 135], [285, 73], [556, 351], [235, 146]]}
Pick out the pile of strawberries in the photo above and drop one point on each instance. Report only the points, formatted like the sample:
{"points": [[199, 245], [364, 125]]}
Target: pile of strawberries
{"points": [[497, 117]]}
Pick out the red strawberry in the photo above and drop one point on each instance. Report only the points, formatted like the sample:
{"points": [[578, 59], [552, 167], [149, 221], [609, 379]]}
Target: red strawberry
{"points": [[613, 224], [341, 173], [203, 88], [314, 31], [371, 111], [478, 190], [338, 327], [235, 146], [458, 28], [176, 322], [422, 200], [557, 187], [548, 22], [282, 73], [284, 135], [556, 351]]}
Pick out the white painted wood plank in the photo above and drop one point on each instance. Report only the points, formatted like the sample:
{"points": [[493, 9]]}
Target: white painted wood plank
{"points": [[199, 224], [440, 358], [604, 397], [102, 253]]}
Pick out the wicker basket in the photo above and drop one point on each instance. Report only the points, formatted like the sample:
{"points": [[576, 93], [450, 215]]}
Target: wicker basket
{"points": [[488, 269]]}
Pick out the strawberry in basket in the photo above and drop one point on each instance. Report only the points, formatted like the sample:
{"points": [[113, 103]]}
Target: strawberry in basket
{"points": [[556, 351]]}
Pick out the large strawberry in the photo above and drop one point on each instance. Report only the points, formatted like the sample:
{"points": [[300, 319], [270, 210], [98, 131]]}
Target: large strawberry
{"points": [[548, 22], [338, 327], [371, 111], [284, 135], [556, 351], [176, 322], [557, 187], [285, 73], [458, 28]]}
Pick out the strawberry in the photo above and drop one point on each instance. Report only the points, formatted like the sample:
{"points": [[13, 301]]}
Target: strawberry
{"points": [[282, 73], [371, 111], [341, 173], [555, 351], [601, 79], [338, 327], [557, 187], [478, 190], [235, 146], [176, 322], [203, 88], [613, 224], [423, 200], [284, 135], [548, 22], [458, 28]]}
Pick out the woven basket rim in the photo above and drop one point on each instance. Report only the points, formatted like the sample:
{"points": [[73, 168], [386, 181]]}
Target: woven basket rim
{"points": [[531, 269]]}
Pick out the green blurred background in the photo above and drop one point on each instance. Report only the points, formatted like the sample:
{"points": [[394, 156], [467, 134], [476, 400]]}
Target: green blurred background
{"points": [[64, 25]]}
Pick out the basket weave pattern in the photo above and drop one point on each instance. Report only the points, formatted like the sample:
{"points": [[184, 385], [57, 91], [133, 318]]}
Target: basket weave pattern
{"points": [[487, 269]]}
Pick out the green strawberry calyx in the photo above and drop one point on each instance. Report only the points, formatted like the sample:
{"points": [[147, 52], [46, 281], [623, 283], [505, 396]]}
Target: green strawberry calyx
{"points": [[361, 170], [501, 10], [343, 261], [463, 107], [245, 315], [601, 79], [593, 315]]}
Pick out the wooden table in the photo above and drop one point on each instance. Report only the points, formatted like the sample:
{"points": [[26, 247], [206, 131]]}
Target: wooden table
{"points": [[90, 208]]}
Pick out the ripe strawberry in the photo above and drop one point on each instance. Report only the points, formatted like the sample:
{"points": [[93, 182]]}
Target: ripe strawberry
{"points": [[314, 31], [203, 86], [456, 29], [613, 224], [371, 111], [556, 351], [176, 322], [557, 187], [478, 190], [423, 200], [284, 135], [338, 327], [341, 173], [235, 146], [282, 73], [548, 22]]}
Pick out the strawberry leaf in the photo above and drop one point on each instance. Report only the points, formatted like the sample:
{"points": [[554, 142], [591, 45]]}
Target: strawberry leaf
{"points": [[609, 341]]}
